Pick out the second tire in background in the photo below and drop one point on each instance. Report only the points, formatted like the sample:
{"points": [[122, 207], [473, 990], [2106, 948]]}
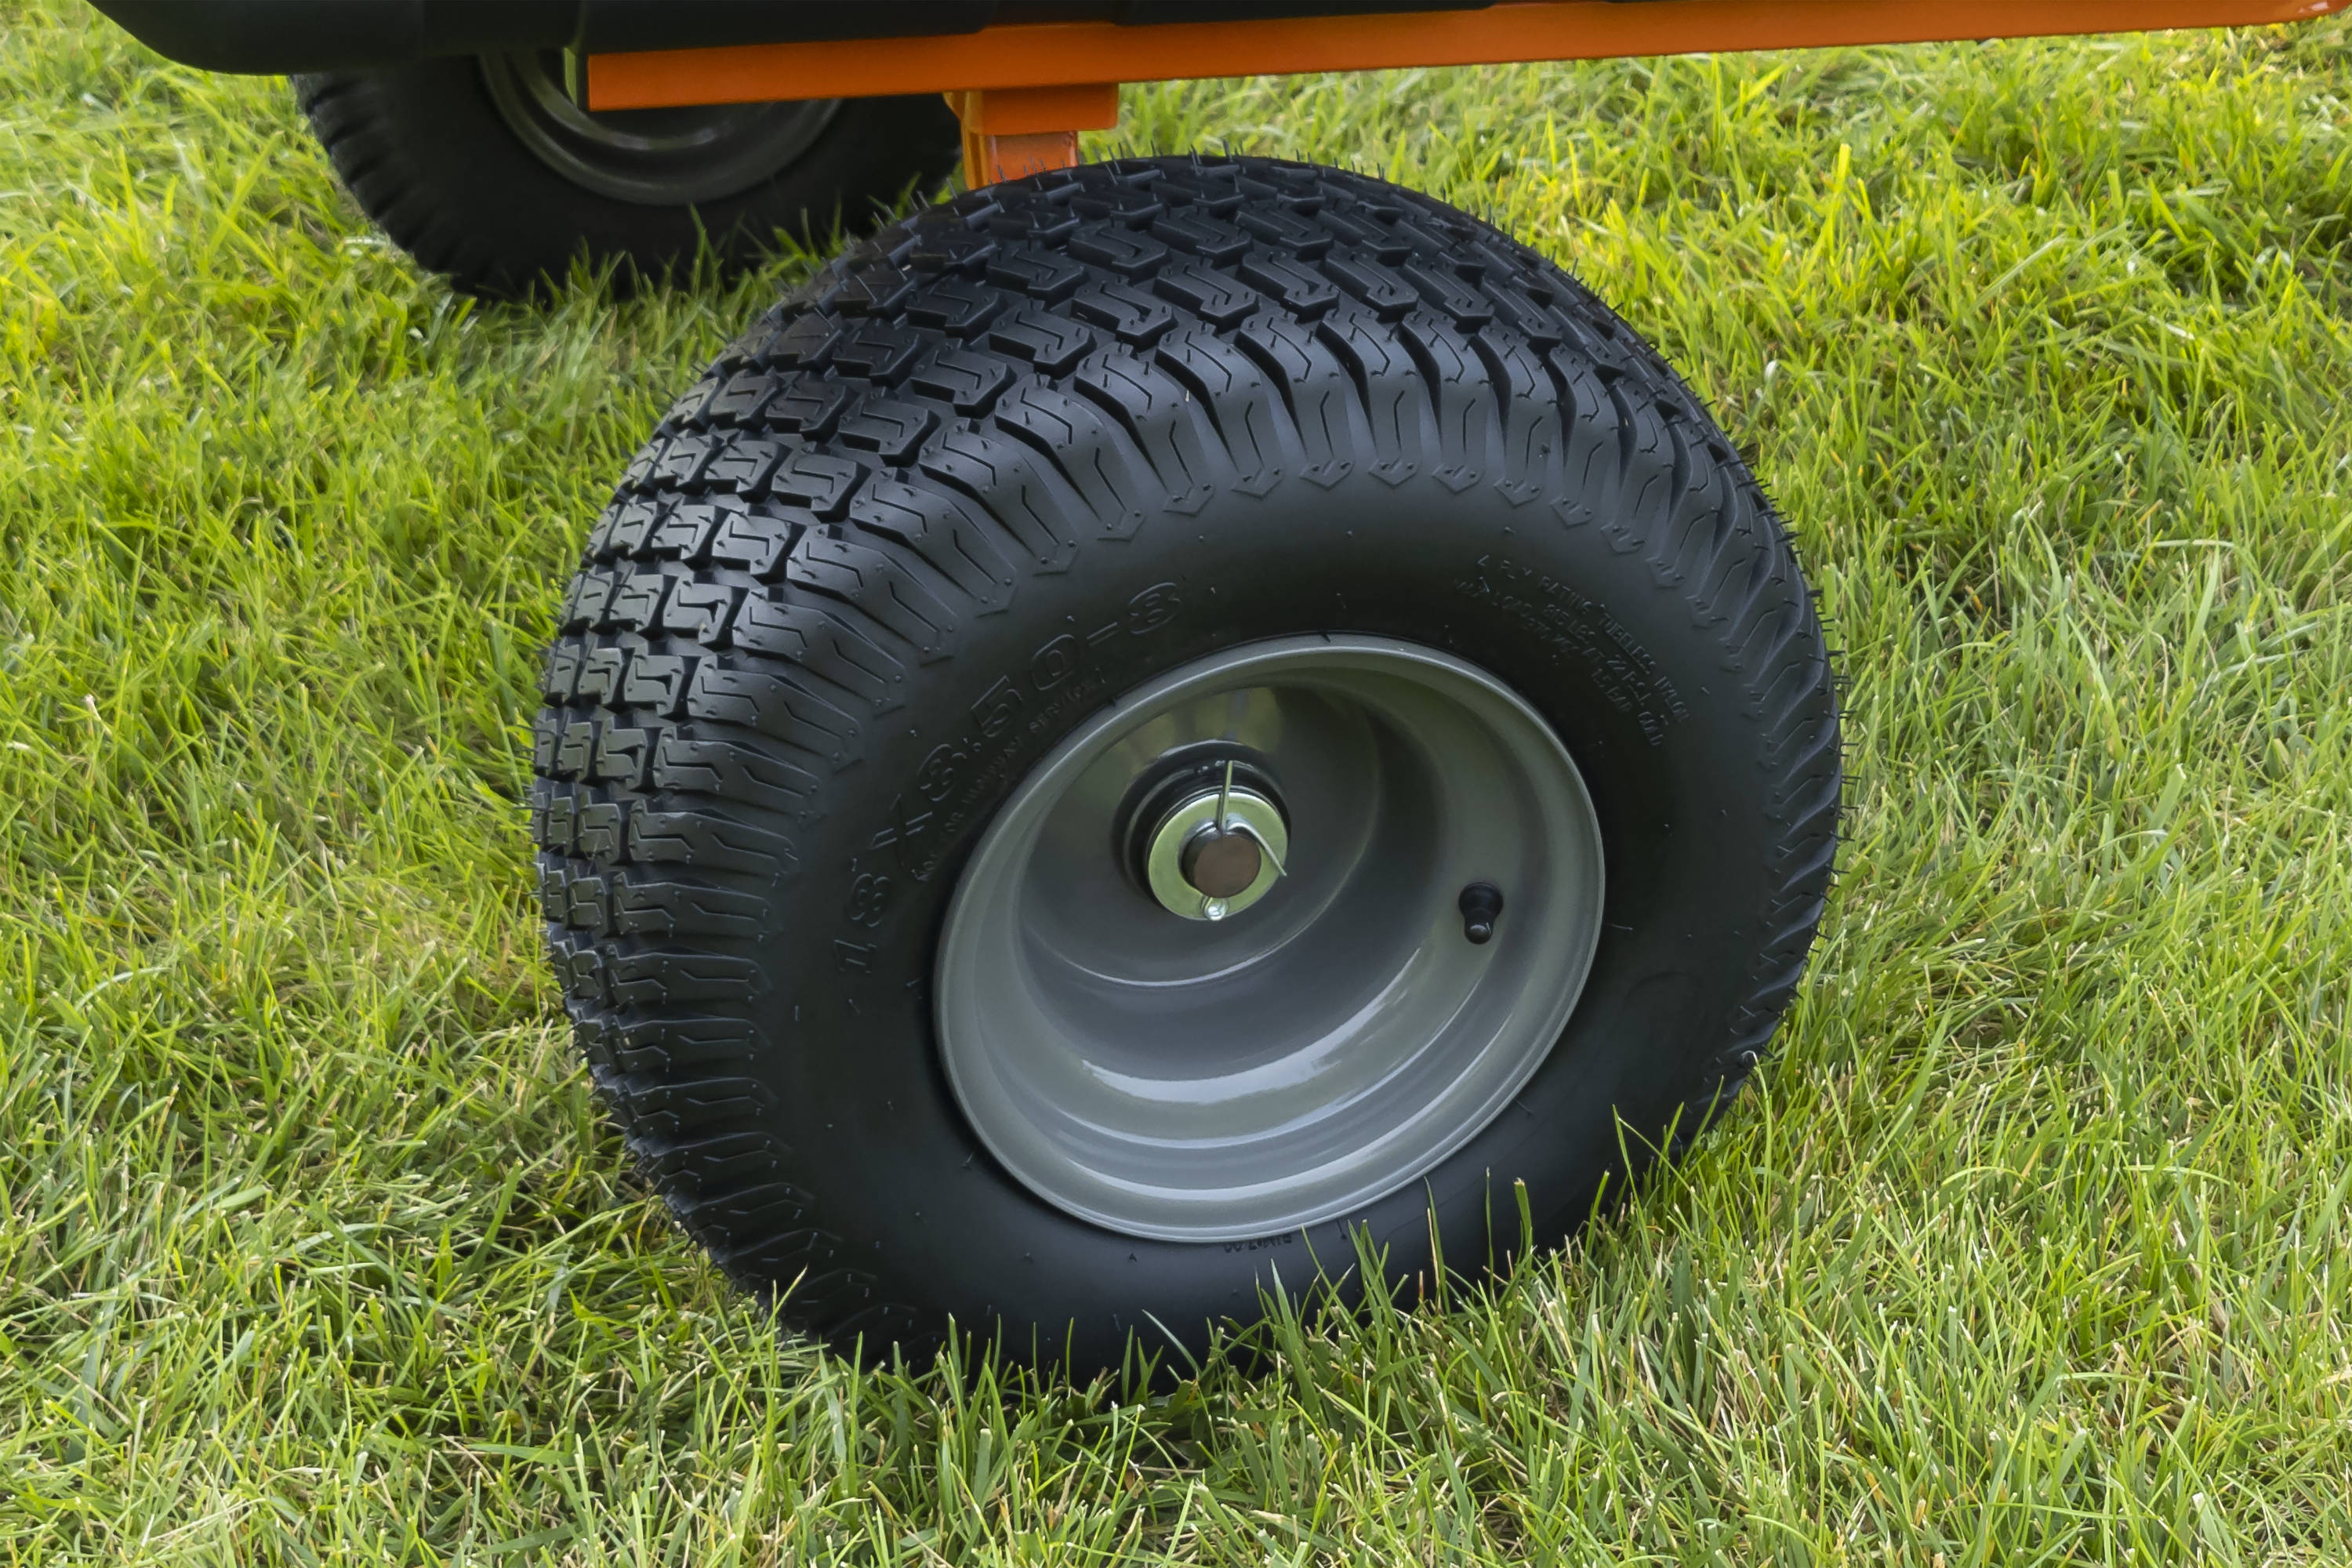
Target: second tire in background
{"points": [[486, 172]]}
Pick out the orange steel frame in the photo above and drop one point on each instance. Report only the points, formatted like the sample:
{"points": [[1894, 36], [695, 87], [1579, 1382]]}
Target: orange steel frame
{"points": [[1025, 91]]}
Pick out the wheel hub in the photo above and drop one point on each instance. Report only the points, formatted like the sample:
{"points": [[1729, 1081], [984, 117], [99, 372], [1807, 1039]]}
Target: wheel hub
{"points": [[1216, 852], [1319, 1027]]}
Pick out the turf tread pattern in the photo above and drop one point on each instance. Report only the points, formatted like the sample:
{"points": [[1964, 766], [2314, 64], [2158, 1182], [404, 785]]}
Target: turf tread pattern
{"points": [[974, 395]]}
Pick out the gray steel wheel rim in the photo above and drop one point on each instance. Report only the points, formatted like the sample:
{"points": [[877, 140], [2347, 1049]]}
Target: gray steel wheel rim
{"points": [[652, 157], [1184, 1080]]}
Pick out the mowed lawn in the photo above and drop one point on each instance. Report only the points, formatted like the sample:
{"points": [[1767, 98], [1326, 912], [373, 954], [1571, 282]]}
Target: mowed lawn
{"points": [[2034, 1246]]}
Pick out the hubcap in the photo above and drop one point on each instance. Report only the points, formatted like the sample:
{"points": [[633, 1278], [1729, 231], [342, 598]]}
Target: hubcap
{"points": [[1330, 1033], [654, 157]]}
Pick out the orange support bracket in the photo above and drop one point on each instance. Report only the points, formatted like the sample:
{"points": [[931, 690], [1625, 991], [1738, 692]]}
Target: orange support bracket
{"points": [[1012, 131]]}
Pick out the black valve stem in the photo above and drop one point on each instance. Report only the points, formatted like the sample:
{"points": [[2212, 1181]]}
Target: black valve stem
{"points": [[1481, 906]]}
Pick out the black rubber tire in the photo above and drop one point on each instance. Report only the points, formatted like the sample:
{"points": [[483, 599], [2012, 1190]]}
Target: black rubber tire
{"points": [[1132, 413], [426, 154]]}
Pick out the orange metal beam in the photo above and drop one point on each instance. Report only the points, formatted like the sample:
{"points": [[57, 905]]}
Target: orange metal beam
{"points": [[1073, 54]]}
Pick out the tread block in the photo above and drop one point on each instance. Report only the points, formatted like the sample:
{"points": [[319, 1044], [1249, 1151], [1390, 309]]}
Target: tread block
{"points": [[1466, 307], [635, 601], [680, 1042], [743, 465], [665, 1108], [945, 532], [554, 891], [804, 407], [702, 611], [623, 756], [957, 306], [877, 289], [684, 532], [1381, 291], [878, 350], [1530, 419], [1049, 343], [1300, 291], [658, 682], [1004, 478], [1235, 396], [740, 400], [796, 1265], [1121, 204], [623, 529], [730, 772], [555, 825], [1198, 233], [1220, 301], [753, 541], [1287, 231], [1041, 275], [640, 472], [1074, 438], [1039, 216], [1316, 392], [678, 910], [871, 580], [583, 602], [638, 521], [1460, 397], [1377, 363], [1213, 188], [825, 646], [691, 1165], [585, 904], [663, 979], [1519, 314], [945, 248], [562, 676], [773, 705], [688, 456], [1159, 417], [687, 412], [816, 481], [1131, 255], [575, 746], [580, 972], [1374, 243], [603, 831], [600, 675], [1131, 315], [804, 341], [893, 432], [965, 381]]}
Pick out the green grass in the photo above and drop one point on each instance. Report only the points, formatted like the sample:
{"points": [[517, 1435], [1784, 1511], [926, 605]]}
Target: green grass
{"points": [[2035, 1246]]}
